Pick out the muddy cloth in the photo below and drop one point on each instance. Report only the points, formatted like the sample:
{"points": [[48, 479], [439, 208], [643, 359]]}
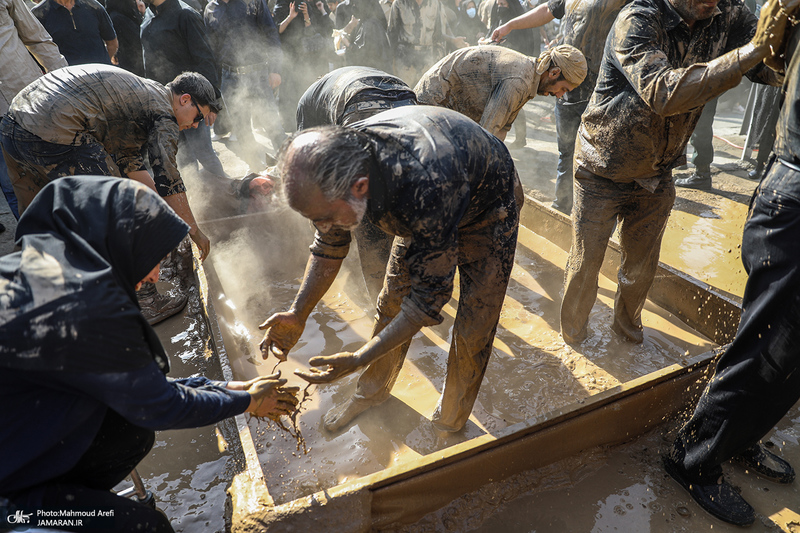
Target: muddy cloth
{"points": [[22, 38], [73, 342], [81, 32], [449, 191], [335, 97], [416, 37], [489, 84], [585, 25], [757, 380], [653, 83], [344, 96], [96, 109], [174, 40]]}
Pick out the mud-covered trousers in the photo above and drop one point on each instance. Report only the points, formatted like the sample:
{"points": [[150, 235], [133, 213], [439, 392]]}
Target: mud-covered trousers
{"points": [[485, 259], [756, 380], [33, 162], [642, 218], [116, 450]]}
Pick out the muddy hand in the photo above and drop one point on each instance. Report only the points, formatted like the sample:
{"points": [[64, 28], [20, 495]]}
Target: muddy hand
{"points": [[336, 366], [269, 398], [772, 22], [283, 332]]}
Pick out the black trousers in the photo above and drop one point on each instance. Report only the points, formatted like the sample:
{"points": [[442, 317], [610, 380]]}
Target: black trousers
{"points": [[115, 451], [757, 380]]}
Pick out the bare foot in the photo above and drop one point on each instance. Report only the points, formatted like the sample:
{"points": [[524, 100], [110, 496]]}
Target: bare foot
{"points": [[342, 414]]}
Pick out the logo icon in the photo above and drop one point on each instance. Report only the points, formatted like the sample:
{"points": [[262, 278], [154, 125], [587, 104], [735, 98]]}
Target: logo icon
{"points": [[19, 518]]}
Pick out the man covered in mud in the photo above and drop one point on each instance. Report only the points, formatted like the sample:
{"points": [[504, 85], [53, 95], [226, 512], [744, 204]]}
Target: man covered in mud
{"points": [[584, 25], [87, 119], [490, 84], [757, 379], [449, 191], [663, 60], [341, 97]]}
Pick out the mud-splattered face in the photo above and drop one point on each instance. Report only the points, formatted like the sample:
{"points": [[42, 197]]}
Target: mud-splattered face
{"points": [[694, 10], [551, 84], [326, 214]]}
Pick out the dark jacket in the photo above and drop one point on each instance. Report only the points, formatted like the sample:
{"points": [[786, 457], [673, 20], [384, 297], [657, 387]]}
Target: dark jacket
{"points": [[127, 23], [73, 342], [174, 41]]}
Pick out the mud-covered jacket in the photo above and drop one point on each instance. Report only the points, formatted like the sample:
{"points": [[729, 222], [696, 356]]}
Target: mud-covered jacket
{"points": [[435, 171], [654, 81], [489, 84]]}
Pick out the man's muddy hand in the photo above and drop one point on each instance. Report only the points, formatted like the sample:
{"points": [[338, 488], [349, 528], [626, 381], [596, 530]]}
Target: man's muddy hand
{"points": [[772, 22], [336, 366], [283, 332]]}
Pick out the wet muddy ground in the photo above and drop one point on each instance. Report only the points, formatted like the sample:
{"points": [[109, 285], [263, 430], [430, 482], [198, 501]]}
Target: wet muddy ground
{"points": [[619, 489]]}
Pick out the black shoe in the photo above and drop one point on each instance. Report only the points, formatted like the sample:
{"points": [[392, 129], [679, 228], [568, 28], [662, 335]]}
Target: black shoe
{"points": [[157, 307], [718, 498], [755, 174], [695, 181], [766, 464]]}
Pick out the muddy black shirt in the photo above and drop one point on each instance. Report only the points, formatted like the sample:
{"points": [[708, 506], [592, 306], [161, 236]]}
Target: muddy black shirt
{"points": [[585, 25], [787, 142], [653, 84], [243, 33], [327, 100], [435, 172]]}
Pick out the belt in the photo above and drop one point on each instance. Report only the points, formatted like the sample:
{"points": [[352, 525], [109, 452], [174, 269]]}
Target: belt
{"points": [[789, 164], [246, 69]]}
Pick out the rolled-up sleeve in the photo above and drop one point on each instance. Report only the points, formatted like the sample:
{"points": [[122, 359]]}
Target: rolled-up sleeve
{"points": [[335, 244]]}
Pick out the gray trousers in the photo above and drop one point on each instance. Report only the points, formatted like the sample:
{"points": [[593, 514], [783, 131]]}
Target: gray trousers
{"points": [[485, 258], [642, 215]]}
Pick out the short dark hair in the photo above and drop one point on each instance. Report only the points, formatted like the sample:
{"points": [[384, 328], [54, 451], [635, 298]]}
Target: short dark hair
{"points": [[198, 87], [333, 164]]}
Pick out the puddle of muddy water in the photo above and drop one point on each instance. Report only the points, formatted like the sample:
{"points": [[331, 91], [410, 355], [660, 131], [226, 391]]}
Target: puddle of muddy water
{"points": [[531, 372]]}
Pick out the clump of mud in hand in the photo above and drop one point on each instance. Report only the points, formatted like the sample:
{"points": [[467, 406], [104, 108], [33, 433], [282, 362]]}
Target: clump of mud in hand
{"points": [[294, 430]]}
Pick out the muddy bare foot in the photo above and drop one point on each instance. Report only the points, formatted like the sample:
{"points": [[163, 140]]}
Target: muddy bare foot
{"points": [[342, 414]]}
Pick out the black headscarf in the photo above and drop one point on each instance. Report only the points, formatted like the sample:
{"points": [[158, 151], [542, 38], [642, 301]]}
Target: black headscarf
{"points": [[67, 299]]}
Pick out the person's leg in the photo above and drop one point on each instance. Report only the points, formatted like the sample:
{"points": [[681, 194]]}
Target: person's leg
{"points": [[486, 257], [376, 382], [568, 120], [594, 215], [703, 143], [194, 146], [33, 163], [115, 451], [374, 251], [8, 188], [520, 130], [643, 221], [756, 380]]}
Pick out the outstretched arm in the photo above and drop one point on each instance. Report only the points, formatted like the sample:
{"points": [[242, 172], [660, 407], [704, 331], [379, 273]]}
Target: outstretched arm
{"points": [[538, 16]]}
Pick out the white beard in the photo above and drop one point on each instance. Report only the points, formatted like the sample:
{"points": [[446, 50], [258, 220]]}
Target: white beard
{"points": [[360, 209]]}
